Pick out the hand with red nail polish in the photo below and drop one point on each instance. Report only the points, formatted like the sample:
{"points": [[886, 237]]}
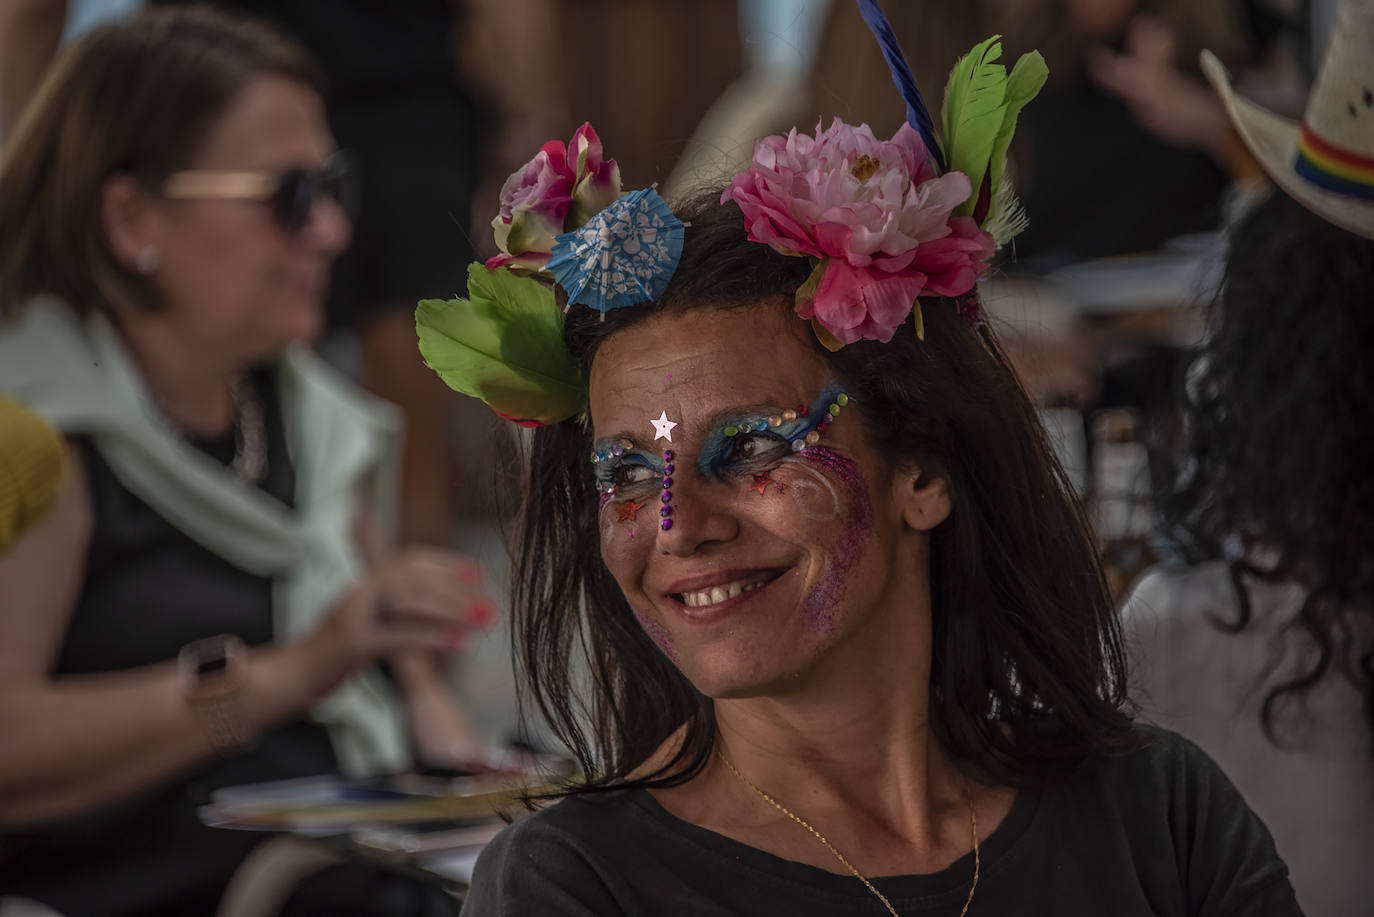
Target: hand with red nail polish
{"points": [[481, 613], [417, 601]]}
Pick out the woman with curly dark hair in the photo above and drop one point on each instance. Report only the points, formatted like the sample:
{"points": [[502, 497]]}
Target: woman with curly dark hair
{"points": [[1263, 651]]}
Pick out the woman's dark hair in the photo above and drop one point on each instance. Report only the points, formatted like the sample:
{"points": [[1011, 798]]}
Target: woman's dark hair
{"points": [[138, 96], [1279, 418], [1028, 669]]}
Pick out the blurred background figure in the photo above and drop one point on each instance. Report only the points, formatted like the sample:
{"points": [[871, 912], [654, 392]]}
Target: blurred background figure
{"points": [[1262, 650], [209, 600], [30, 470], [399, 102], [1127, 115]]}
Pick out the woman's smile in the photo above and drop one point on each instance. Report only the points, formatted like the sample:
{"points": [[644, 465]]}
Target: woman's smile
{"points": [[704, 596]]}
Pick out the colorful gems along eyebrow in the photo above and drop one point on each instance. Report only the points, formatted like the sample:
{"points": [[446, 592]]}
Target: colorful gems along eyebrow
{"points": [[614, 450], [666, 511], [799, 427], [628, 510], [828, 413]]}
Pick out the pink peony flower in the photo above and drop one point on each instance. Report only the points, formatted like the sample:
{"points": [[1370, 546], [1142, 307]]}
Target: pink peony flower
{"points": [[874, 212], [556, 191]]}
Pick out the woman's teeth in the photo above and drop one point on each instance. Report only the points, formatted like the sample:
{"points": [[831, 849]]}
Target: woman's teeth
{"points": [[717, 594]]}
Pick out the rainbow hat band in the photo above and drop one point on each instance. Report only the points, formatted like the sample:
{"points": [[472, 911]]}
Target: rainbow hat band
{"points": [[1328, 166]]}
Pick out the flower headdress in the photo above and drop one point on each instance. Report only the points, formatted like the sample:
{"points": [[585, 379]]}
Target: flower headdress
{"points": [[563, 219], [883, 223]]}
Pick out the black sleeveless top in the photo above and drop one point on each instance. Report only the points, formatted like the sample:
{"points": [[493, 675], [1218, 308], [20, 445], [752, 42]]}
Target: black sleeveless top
{"points": [[149, 590]]}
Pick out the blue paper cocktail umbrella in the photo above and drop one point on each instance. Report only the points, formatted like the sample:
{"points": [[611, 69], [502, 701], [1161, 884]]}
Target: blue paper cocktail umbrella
{"points": [[623, 256]]}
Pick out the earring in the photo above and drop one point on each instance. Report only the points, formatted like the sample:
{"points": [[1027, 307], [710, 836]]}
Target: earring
{"points": [[148, 260]]}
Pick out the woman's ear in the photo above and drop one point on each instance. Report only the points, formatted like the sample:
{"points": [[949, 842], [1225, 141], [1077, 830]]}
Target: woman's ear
{"points": [[126, 216], [925, 498]]}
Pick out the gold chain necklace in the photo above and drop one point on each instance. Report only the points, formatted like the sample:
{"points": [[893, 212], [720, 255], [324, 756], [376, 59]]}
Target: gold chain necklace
{"points": [[973, 824]]}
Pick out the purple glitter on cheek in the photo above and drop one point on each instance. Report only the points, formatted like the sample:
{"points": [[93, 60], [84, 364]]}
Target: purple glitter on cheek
{"points": [[819, 604], [659, 634]]}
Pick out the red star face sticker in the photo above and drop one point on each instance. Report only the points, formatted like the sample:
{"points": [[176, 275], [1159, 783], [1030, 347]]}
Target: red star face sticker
{"points": [[628, 510], [761, 482]]}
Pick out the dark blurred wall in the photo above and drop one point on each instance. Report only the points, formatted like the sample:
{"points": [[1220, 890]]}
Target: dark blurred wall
{"points": [[644, 72]]}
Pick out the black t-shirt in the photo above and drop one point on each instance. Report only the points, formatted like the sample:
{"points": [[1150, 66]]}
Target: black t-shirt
{"points": [[1155, 831]]}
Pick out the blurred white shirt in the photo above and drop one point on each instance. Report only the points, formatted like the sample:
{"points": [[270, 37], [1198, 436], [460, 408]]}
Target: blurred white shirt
{"points": [[1316, 793]]}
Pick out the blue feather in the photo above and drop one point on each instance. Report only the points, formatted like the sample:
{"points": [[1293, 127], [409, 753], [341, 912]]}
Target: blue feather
{"points": [[917, 115]]}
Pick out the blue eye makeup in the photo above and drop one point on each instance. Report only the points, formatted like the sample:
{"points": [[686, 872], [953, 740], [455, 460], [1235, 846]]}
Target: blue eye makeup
{"points": [[763, 436], [741, 441], [618, 463]]}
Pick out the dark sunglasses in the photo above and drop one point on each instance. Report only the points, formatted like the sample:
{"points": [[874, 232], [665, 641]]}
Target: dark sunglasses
{"points": [[290, 194]]}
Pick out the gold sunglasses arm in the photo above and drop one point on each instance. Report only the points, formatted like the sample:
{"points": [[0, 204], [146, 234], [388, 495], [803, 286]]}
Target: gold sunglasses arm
{"points": [[254, 186]]}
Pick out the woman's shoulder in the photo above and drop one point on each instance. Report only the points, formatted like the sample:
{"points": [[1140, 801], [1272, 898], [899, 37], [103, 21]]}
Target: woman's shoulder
{"points": [[560, 859], [1151, 764], [1164, 797]]}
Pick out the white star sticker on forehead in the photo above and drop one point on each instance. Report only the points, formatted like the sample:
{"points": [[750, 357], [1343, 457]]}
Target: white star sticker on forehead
{"points": [[663, 427]]}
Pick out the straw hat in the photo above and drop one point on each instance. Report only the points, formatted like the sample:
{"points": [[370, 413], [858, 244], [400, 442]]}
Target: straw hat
{"points": [[1326, 163]]}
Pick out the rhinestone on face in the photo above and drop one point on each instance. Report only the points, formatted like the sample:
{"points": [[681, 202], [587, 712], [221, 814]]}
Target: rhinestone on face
{"points": [[732, 431], [834, 410], [798, 445], [665, 511], [666, 524], [775, 421], [668, 456], [667, 496], [667, 483], [842, 399], [668, 469], [789, 416], [812, 438]]}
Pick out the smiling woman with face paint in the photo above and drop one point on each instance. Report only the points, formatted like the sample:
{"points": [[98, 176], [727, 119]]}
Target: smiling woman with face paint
{"points": [[842, 619], [811, 601]]}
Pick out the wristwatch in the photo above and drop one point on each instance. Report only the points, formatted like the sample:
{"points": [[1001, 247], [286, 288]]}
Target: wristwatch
{"points": [[213, 674]]}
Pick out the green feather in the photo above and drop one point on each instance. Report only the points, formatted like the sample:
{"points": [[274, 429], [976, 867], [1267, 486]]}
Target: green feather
{"points": [[504, 345], [981, 107], [973, 114], [1026, 79]]}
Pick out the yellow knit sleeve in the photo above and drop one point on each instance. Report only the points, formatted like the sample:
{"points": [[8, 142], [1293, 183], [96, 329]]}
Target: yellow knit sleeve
{"points": [[30, 470]]}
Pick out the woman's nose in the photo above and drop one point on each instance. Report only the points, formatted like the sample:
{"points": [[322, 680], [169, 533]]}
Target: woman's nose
{"points": [[697, 512]]}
